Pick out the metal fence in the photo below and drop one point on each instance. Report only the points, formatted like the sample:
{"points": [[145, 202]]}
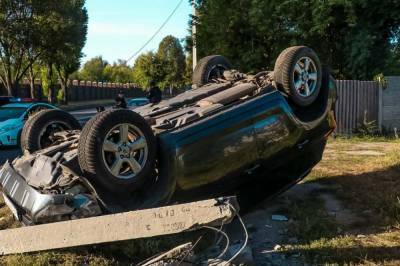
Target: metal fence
{"points": [[358, 101]]}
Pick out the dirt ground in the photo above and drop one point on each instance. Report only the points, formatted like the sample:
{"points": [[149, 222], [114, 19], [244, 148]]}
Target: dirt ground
{"points": [[346, 212]]}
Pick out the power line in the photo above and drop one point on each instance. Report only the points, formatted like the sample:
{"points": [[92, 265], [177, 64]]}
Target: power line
{"points": [[155, 34]]}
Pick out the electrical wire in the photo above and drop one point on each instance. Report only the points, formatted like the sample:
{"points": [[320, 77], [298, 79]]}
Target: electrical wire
{"points": [[189, 251], [155, 34], [226, 237], [218, 240], [246, 236]]}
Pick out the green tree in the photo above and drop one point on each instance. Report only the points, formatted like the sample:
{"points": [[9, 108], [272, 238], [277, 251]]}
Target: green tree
{"points": [[355, 37], [119, 72], [18, 33], [39, 29], [172, 59], [67, 57], [147, 68], [189, 69], [66, 28], [93, 70]]}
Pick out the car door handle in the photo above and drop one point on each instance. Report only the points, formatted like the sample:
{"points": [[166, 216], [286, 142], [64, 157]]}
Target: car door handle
{"points": [[301, 145], [251, 170]]}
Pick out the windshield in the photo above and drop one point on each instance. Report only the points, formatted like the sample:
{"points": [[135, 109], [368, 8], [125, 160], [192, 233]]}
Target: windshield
{"points": [[11, 112], [137, 102]]}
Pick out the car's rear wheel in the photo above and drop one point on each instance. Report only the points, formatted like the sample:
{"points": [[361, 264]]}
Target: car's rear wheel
{"points": [[210, 68], [39, 130], [298, 73], [117, 150]]}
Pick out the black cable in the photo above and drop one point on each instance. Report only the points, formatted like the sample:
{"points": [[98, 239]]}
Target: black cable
{"points": [[155, 34]]}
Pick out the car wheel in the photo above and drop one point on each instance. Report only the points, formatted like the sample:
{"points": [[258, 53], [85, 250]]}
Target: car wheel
{"points": [[39, 129], [210, 68], [117, 150], [298, 73]]}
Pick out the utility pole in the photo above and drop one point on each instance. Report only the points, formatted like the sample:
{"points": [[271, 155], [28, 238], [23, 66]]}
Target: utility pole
{"points": [[194, 32]]}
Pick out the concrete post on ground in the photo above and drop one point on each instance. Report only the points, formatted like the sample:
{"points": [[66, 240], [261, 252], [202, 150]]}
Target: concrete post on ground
{"points": [[119, 227]]}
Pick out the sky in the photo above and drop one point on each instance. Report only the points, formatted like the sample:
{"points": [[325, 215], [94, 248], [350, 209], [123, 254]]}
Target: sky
{"points": [[118, 28]]}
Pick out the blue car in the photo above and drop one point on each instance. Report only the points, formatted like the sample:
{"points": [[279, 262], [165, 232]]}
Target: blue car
{"points": [[12, 120], [137, 102]]}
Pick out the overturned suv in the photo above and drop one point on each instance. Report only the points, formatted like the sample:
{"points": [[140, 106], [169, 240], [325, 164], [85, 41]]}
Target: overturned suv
{"points": [[231, 129]]}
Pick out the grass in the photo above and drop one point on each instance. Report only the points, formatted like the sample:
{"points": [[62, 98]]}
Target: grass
{"points": [[121, 253], [366, 138], [368, 185]]}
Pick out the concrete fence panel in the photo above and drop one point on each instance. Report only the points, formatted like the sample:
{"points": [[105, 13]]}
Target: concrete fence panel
{"points": [[391, 103]]}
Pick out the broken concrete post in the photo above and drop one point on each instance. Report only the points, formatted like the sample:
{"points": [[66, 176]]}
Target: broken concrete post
{"points": [[118, 227]]}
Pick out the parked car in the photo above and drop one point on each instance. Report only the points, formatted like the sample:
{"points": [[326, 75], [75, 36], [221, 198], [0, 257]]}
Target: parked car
{"points": [[12, 120], [230, 130], [137, 102], [5, 100], [9, 99]]}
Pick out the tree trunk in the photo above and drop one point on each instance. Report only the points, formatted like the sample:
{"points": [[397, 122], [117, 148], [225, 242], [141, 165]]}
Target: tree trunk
{"points": [[32, 83], [63, 76], [51, 96], [9, 86], [15, 88], [64, 89], [9, 89]]}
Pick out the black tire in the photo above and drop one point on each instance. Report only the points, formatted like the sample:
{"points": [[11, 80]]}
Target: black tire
{"points": [[38, 128], [209, 68], [286, 76], [96, 163]]}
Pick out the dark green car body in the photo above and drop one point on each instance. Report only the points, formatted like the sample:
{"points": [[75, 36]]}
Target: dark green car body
{"points": [[262, 137]]}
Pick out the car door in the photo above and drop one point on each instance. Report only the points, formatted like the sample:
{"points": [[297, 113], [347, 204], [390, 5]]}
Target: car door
{"points": [[221, 146], [275, 130]]}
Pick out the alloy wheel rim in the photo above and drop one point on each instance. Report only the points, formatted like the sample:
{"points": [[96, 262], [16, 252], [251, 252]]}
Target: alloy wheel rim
{"points": [[125, 151], [305, 77]]}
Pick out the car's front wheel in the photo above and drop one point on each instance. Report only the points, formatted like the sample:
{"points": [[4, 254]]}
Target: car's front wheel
{"points": [[117, 150]]}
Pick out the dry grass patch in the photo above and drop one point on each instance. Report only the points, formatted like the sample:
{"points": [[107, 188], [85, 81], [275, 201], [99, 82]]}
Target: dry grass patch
{"points": [[365, 175], [370, 184]]}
